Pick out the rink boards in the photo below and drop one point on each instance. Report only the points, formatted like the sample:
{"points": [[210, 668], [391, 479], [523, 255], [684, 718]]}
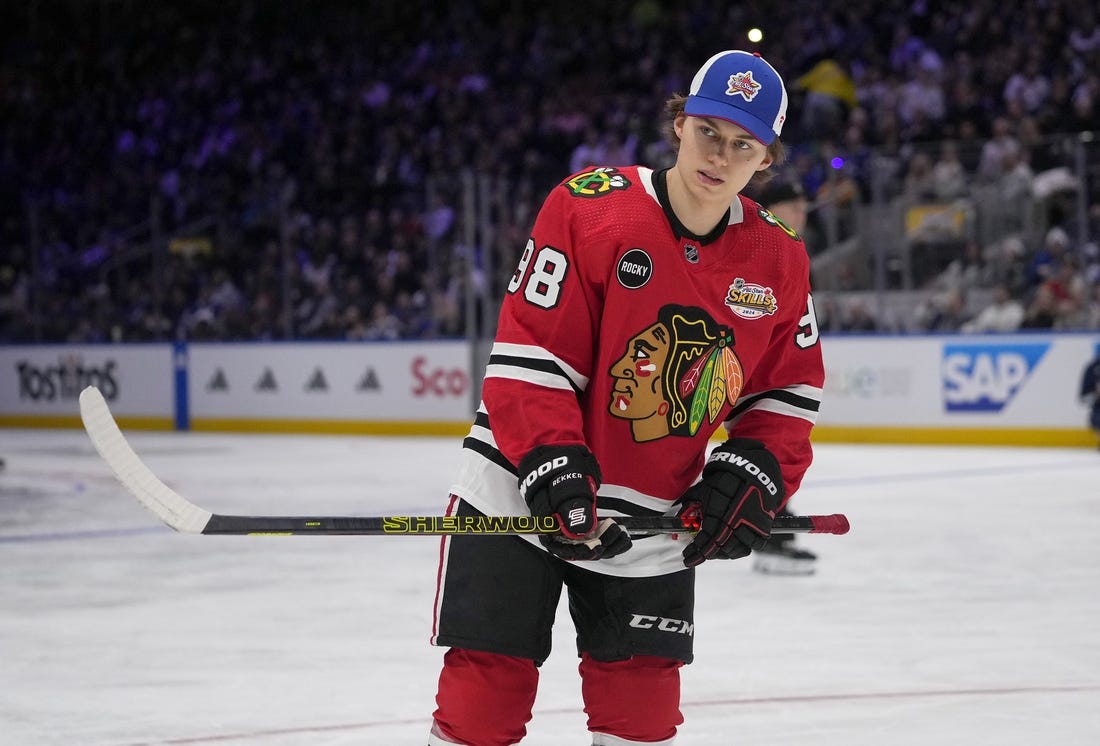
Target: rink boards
{"points": [[1017, 389]]}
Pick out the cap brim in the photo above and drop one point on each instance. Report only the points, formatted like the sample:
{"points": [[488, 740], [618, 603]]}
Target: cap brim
{"points": [[697, 106]]}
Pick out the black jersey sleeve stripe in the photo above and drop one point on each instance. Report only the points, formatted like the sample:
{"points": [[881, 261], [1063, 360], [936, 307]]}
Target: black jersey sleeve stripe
{"points": [[481, 419], [625, 507], [487, 451], [796, 401], [542, 366]]}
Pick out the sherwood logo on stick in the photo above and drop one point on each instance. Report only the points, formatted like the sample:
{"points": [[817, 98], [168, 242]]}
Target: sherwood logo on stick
{"points": [[468, 524]]}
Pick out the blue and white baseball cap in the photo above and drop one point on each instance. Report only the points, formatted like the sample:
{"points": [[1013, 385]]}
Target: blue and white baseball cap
{"points": [[742, 88]]}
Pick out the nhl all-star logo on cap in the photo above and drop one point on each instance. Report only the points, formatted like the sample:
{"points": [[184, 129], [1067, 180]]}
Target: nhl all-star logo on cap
{"points": [[740, 87]]}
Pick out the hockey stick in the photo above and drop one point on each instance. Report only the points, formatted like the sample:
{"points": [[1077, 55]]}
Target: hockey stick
{"points": [[183, 515]]}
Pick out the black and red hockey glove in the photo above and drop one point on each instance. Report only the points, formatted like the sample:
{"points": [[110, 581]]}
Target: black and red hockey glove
{"points": [[734, 503], [561, 481]]}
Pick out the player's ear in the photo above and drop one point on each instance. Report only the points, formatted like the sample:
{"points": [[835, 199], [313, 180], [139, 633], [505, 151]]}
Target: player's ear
{"points": [[678, 125]]}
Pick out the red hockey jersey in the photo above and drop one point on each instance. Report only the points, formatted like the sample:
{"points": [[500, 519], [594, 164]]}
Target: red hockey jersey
{"points": [[624, 332]]}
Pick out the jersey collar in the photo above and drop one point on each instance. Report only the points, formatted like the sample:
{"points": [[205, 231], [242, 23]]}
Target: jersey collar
{"points": [[657, 186]]}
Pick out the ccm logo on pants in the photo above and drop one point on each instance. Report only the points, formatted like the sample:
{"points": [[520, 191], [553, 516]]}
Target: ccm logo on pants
{"points": [[661, 624]]}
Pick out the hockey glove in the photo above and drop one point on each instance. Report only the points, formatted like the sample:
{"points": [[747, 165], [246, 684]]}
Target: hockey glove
{"points": [[561, 481], [735, 502]]}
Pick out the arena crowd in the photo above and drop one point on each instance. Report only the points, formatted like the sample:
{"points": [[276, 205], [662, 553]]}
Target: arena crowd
{"points": [[249, 170]]}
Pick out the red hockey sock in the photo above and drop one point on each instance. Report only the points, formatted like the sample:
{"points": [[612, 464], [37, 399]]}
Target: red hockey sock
{"points": [[637, 699], [485, 698]]}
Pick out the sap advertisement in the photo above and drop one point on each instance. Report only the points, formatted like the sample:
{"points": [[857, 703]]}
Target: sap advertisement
{"points": [[969, 381]]}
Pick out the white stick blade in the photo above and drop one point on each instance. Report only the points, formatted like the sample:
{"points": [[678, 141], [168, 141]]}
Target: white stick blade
{"points": [[175, 510]]}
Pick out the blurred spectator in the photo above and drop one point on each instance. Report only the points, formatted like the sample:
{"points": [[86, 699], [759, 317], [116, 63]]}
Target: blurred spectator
{"points": [[1071, 292], [1042, 311], [785, 197], [1085, 103], [1084, 34], [1028, 87], [997, 151], [945, 312], [1092, 308], [439, 220], [1014, 185], [858, 318], [829, 94], [383, 323], [589, 152], [922, 106], [1003, 314], [828, 313], [949, 177], [1044, 262], [968, 271], [919, 183]]}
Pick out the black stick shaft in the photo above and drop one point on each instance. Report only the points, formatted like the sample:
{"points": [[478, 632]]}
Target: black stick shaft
{"points": [[437, 525]]}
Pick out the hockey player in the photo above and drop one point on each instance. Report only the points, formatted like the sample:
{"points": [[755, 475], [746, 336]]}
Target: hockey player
{"points": [[786, 199], [1090, 393], [648, 309]]}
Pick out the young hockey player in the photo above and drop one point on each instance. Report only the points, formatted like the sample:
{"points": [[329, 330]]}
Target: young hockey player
{"points": [[648, 309]]}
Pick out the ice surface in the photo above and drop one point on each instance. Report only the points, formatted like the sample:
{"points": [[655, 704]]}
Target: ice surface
{"points": [[963, 607]]}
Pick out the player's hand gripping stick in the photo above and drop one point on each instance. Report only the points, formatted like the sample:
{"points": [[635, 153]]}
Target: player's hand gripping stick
{"points": [[561, 481], [735, 502]]}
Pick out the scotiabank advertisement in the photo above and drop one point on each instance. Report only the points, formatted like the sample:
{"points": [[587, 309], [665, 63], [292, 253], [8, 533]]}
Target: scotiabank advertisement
{"points": [[390, 381]]}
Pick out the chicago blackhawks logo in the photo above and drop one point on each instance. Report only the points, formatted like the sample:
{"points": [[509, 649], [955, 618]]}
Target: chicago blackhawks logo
{"points": [[771, 219], [751, 301], [675, 375], [597, 182]]}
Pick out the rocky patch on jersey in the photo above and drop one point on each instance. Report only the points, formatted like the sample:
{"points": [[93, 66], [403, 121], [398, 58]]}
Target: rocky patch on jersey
{"points": [[597, 182], [634, 269], [675, 375], [751, 301]]}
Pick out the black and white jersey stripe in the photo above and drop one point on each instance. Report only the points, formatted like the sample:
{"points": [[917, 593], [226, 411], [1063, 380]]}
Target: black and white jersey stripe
{"points": [[800, 401], [534, 365]]}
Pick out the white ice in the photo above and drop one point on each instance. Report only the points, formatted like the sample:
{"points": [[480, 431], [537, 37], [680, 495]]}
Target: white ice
{"points": [[963, 607]]}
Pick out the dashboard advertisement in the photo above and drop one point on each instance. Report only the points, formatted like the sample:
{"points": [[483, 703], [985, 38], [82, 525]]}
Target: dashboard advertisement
{"points": [[957, 382], [945, 387], [41, 383]]}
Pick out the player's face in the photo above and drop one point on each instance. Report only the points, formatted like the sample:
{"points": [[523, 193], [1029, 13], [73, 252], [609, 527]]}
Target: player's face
{"points": [[717, 158], [637, 393]]}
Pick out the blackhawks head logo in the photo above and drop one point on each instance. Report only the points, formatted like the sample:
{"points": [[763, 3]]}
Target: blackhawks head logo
{"points": [[597, 182], [675, 375]]}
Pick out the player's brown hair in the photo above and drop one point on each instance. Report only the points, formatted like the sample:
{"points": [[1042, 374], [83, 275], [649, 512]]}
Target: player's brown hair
{"points": [[674, 107]]}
